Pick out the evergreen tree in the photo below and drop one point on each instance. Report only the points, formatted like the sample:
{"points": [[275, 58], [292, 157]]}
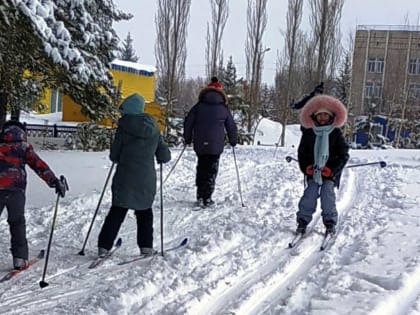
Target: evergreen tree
{"points": [[60, 46], [234, 89], [127, 51]]}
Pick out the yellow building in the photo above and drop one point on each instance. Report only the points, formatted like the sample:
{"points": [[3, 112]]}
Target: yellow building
{"points": [[134, 77]]}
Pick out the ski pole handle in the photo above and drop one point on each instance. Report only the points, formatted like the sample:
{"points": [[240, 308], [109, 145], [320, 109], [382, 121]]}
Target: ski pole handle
{"points": [[290, 159], [64, 181]]}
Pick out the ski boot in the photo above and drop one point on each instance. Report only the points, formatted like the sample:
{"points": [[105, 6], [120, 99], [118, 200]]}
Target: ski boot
{"points": [[102, 252], [208, 202], [19, 263], [329, 227], [147, 251], [302, 224]]}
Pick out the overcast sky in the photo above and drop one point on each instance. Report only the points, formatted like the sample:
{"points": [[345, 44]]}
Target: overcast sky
{"points": [[355, 12]]}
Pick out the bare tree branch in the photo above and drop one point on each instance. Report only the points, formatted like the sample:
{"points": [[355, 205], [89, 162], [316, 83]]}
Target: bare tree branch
{"points": [[220, 14], [171, 52], [254, 51]]}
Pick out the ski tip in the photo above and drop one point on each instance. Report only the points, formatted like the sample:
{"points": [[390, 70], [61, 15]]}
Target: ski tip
{"points": [[321, 248], [118, 243], [184, 241]]}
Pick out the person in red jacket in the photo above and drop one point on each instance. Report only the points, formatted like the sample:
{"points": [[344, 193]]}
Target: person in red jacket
{"points": [[15, 153]]}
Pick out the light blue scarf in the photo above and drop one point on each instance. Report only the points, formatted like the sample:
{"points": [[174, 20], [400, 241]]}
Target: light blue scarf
{"points": [[321, 150]]}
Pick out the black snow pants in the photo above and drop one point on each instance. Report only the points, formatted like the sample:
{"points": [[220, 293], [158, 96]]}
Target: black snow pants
{"points": [[113, 222], [14, 201], [207, 168]]}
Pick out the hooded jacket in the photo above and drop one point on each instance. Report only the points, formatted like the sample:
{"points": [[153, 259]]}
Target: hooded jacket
{"points": [[206, 122], [137, 142], [338, 148], [15, 153]]}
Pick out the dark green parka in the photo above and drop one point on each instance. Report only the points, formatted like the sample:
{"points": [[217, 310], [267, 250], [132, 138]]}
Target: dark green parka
{"points": [[137, 142]]}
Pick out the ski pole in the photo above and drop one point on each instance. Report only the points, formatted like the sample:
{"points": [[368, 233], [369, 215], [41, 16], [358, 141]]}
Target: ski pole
{"points": [[176, 162], [382, 164], [237, 176], [290, 158], [82, 251], [161, 208], [42, 283]]}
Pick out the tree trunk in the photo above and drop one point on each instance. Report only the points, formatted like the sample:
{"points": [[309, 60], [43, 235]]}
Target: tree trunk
{"points": [[3, 108]]}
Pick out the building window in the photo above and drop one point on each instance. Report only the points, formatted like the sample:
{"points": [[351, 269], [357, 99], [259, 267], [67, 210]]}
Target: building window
{"points": [[414, 90], [373, 89], [56, 103], [369, 89], [414, 66], [376, 64]]}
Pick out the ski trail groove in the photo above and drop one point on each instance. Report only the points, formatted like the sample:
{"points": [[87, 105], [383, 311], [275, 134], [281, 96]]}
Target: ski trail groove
{"points": [[258, 291]]}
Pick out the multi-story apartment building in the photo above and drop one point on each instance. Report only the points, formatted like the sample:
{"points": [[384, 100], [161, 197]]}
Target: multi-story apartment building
{"points": [[386, 70]]}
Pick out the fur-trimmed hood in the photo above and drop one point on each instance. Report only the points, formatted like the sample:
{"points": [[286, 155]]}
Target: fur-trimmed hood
{"points": [[207, 95], [328, 103]]}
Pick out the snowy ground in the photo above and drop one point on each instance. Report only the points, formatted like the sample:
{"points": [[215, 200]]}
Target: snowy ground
{"points": [[237, 260]]}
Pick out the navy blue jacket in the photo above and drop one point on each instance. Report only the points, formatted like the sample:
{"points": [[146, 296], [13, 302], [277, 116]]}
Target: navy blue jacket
{"points": [[206, 122]]}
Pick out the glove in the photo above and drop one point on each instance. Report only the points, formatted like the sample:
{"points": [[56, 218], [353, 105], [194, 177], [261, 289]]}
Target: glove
{"points": [[309, 170], [326, 172], [61, 186]]}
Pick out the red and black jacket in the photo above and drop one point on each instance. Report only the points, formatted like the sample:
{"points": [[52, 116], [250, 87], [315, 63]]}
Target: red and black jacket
{"points": [[15, 153]]}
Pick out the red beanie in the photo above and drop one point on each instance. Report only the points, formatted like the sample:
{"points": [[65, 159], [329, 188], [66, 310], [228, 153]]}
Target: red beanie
{"points": [[215, 83]]}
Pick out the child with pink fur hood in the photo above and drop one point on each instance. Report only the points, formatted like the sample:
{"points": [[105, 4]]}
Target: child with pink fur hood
{"points": [[322, 155]]}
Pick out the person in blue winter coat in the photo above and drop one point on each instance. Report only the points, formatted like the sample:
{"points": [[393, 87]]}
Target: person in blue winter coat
{"points": [[15, 154], [205, 127], [136, 144], [322, 155]]}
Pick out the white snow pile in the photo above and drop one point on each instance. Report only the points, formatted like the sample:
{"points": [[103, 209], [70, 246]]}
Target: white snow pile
{"points": [[236, 260]]}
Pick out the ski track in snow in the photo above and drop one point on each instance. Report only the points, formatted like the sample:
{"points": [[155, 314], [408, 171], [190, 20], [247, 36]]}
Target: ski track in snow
{"points": [[272, 282], [237, 260]]}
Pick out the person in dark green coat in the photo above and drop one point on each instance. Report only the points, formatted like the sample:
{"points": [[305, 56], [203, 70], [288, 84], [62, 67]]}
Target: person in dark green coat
{"points": [[136, 144]]}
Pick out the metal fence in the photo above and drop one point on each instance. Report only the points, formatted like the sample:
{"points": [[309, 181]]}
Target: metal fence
{"points": [[50, 131]]}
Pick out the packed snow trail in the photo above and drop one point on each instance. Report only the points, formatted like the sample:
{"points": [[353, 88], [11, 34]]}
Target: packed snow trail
{"points": [[237, 258], [271, 282]]}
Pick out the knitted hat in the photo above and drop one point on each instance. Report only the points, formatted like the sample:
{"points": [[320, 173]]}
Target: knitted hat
{"points": [[215, 83], [132, 105], [325, 104], [323, 110]]}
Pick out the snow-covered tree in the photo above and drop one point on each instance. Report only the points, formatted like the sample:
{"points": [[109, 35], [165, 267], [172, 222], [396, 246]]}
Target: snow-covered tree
{"points": [[63, 44], [127, 50]]}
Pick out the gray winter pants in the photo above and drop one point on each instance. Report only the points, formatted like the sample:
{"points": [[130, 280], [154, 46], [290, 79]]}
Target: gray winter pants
{"points": [[307, 204], [14, 201]]}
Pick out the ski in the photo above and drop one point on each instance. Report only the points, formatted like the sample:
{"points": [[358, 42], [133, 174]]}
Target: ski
{"points": [[31, 262], [326, 240], [296, 239], [143, 257], [98, 261]]}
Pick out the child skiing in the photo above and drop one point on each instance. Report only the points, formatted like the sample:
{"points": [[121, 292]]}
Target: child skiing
{"points": [[137, 141], [205, 126], [322, 155], [15, 153]]}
